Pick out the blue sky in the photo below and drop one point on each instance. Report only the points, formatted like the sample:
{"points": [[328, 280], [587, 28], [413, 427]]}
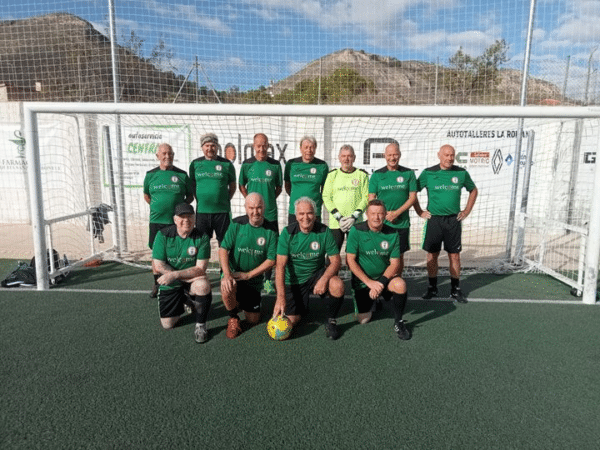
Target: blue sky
{"points": [[247, 43]]}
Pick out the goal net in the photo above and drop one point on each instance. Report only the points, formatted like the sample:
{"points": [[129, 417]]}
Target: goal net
{"points": [[532, 212]]}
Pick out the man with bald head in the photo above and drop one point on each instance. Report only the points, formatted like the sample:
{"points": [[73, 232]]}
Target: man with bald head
{"points": [[164, 187], [247, 252], [444, 183], [263, 174], [396, 187]]}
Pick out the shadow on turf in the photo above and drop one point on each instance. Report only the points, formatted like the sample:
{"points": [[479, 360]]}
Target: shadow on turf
{"points": [[316, 316], [83, 276]]}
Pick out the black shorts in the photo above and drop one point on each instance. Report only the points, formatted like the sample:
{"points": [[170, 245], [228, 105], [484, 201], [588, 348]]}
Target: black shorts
{"points": [[442, 229], [248, 297], [209, 222], [297, 295], [403, 239], [171, 300], [154, 229], [338, 237], [364, 303]]}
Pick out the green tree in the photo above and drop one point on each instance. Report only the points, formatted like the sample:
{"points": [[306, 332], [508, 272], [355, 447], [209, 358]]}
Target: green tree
{"points": [[488, 64], [342, 85], [162, 56], [134, 44], [476, 76]]}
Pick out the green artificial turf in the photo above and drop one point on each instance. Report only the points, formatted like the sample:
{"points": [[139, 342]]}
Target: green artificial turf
{"points": [[95, 370]]}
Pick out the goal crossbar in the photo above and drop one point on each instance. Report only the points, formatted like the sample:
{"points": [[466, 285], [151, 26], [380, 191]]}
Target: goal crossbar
{"points": [[567, 112], [33, 109]]}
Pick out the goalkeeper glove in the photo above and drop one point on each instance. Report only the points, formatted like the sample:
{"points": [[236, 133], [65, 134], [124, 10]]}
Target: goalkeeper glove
{"points": [[346, 223]]}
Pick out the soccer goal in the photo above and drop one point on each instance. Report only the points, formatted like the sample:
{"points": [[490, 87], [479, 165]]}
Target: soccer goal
{"points": [[534, 168]]}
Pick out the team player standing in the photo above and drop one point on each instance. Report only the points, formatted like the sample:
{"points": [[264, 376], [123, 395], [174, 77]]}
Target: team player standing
{"points": [[307, 253]]}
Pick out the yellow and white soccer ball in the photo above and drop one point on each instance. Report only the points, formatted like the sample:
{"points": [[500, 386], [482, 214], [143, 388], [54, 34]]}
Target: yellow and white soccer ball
{"points": [[279, 328]]}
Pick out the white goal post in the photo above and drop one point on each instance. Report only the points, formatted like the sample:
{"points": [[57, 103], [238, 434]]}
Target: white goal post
{"points": [[539, 201]]}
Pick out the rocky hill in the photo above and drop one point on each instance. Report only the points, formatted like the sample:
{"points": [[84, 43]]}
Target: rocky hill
{"points": [[71, 61], [414, 82]]}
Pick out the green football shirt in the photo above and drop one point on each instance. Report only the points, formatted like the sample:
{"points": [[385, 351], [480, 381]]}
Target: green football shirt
{"points": [[307, 180], [178, 252], [263, 177], [393, 187], [250, 246], [373, 250], [305, 251], [346, 193], [212, 178], [166, 189], [444, 188]]}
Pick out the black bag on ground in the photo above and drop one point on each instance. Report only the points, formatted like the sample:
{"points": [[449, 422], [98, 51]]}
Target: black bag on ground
{"points": [[23, 275]]}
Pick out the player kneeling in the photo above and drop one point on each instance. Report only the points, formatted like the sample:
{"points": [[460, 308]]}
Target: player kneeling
{"points": [[247, 252], [302, 269], [180, 255], [373, 256]]}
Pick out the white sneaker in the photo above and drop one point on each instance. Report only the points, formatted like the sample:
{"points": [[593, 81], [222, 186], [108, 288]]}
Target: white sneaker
{"points": [[200, 333]]}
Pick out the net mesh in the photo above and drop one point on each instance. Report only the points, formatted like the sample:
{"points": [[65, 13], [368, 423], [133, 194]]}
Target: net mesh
{"points": [[259, 51], [81, 172]]}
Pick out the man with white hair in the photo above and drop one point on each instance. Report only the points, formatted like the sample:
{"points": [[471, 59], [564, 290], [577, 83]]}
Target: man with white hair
{"points": [[345, 195], [302, 269], [305, 177]]}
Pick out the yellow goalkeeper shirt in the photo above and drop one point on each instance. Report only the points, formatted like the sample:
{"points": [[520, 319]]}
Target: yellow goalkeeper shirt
{"points": [[345, 193]]}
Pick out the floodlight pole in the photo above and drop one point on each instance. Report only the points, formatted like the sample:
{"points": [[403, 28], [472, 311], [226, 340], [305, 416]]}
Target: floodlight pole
{"points": [[589, 75], [564, 89], [121, 243], [523, 102]]}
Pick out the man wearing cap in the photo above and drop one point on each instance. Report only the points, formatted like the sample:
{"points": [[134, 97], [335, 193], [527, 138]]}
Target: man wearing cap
{"points": [[164, 187], [247, 252], [213, 181], [180, 255]]}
